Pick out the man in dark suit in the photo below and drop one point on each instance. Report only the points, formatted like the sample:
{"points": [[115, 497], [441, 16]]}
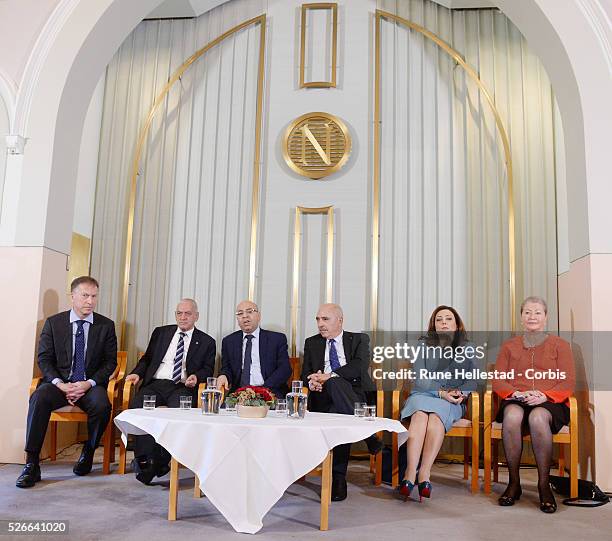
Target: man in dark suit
{"points": [[335, 369], [254, 356], [77, 354], [178, 358]]}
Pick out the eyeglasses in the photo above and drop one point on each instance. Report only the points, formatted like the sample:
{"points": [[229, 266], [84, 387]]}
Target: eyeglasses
{"points": [[246, 312]]}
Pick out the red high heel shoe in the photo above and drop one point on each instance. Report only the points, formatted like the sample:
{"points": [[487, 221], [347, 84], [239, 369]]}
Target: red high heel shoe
{"points": [[405, 488], [424, 490]]}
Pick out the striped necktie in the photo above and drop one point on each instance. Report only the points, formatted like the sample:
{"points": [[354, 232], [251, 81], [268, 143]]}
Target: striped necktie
{"points": [[334, 362], [178, 359]]}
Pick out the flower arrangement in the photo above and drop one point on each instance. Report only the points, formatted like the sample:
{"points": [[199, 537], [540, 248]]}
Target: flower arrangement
{"points": [[252, 396]]}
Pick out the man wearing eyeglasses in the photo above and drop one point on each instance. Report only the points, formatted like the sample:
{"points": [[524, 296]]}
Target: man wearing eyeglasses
{"points": [[178, 358], [254, 356]]}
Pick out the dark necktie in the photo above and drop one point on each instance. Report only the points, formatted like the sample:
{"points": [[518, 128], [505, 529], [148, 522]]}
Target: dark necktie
{"points": [[178, 359], [78, 366], [334, 362], [245, 378]]}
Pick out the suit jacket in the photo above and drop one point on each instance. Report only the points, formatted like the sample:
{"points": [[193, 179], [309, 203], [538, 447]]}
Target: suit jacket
{"points": [[357, 352], [55, 349], [273, 358], [200, 355]]}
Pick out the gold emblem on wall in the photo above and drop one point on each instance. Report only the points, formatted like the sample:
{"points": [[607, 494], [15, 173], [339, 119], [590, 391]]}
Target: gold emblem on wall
{"points": [[316, 145]]}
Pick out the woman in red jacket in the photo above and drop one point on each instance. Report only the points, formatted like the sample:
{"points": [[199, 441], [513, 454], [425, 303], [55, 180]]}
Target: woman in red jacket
{"points": [[535, 399]]}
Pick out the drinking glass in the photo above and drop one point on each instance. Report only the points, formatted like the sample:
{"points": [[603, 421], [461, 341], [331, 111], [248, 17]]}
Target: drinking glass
{"points": [[281, 407], [148, 402], [185, 403], [360, 409], [230, 405], [296, 386], [211, 383], [370, 413]]}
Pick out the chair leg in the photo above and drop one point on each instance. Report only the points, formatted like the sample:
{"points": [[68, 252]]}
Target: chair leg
{"points": [[113, 441], [561, 460], [53, 440], [487, 461], [394, 461], [466, 455], [574, 465], [496, 461], [378, 469], [475, 467], [122, 457], [107, 450]]}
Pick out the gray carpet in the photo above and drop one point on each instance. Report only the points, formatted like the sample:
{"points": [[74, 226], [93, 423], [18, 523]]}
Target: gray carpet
{"points": [[116, 507]]}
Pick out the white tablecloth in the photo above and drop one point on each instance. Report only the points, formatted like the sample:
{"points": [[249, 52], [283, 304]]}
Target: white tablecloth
{"points": [[245, 465]]}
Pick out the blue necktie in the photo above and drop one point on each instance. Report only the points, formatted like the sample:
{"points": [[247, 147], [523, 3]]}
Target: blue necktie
{"points": [[334, 362], [178, 359], [245, 377], [78, 365]]}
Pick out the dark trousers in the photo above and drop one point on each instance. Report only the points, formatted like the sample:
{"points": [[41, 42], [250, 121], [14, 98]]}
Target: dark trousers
{"points": [[337, 396], [167, 393], [49, 397]]}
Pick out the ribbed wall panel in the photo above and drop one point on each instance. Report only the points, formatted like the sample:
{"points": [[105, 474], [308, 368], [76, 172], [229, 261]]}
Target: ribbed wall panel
{"points": [[444, 204], [193, 203]]}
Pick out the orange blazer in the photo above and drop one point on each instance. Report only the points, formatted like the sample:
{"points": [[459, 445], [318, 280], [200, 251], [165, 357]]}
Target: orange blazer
{"points": [[548, 368]]}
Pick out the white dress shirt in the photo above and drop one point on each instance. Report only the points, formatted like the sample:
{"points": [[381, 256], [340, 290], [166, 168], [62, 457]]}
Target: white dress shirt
{"points": [[256, 376], [166, 367], [73, 319], [339, 350]]}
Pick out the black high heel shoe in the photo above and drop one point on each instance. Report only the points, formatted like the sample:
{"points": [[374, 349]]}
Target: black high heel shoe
{"points": [[507, 498], [405, 488], [546, 505], [424, 490]]}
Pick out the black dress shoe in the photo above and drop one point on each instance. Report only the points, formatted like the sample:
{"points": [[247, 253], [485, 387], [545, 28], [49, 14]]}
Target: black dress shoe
{"points": [[510, 495], [30, 475], [85, 461], [148, 468], [338, 492], [374, 444]]}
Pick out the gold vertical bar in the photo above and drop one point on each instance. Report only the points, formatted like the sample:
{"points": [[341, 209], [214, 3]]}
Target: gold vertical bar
{"points": [[257, 159], [297, 247], [297, 233], [302, 45], [376, 183], [334, 45], [330, 255]]}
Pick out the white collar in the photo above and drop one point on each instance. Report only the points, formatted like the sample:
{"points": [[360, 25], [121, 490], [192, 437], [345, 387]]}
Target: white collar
{"points": [[74, 317], [255, 333]]}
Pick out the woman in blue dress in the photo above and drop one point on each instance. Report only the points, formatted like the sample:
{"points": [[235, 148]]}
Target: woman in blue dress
{"points": [[438, 398]]}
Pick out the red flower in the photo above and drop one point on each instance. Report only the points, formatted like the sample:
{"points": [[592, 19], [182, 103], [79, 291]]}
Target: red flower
{"points": [[261, 392]]}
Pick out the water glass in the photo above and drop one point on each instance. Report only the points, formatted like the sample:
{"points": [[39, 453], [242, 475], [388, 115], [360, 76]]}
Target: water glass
{"points": [[185, 403], [370, 413], [211, 383], [296, 386], [360, 409], [148, 402], [230, 405], [281, 407]]}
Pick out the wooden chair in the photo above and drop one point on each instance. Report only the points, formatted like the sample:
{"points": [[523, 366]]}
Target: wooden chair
{"points": [[467, 428], [129, 389], [76, 414], [568, 435]]}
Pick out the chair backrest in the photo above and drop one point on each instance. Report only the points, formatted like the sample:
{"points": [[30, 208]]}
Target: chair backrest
{"points": [[119, 372], [296, 370]]}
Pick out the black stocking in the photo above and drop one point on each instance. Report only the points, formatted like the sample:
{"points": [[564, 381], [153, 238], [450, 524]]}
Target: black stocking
{"points": [[541, 440], [513, 447]]}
